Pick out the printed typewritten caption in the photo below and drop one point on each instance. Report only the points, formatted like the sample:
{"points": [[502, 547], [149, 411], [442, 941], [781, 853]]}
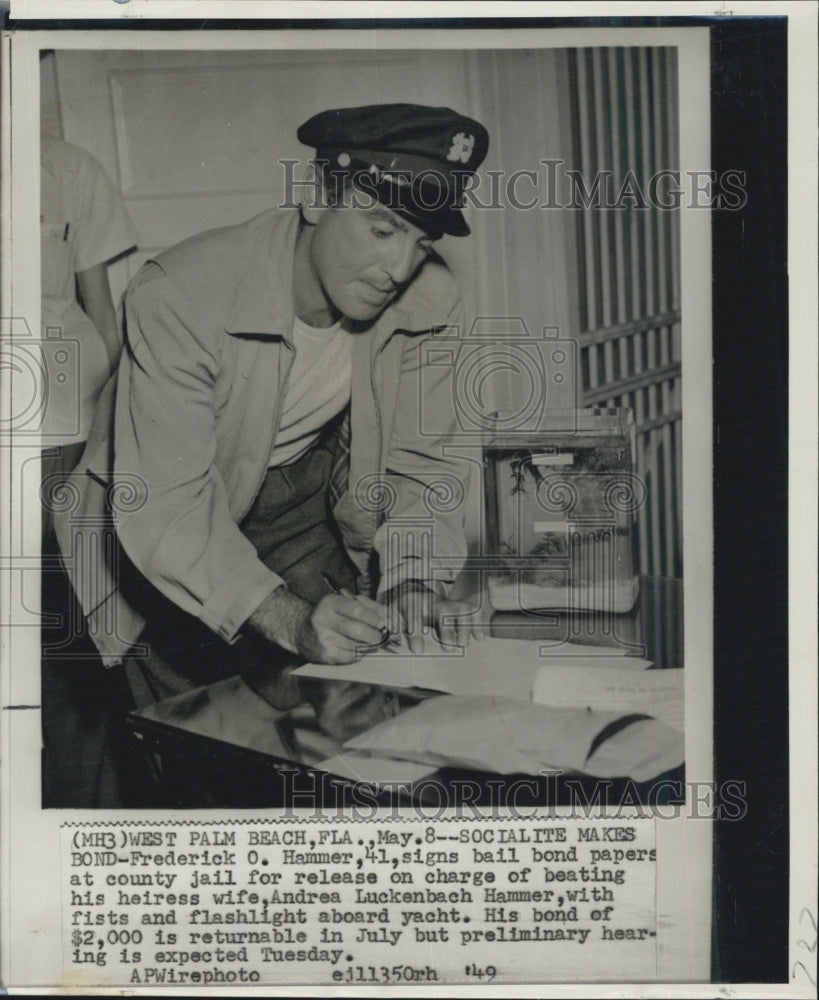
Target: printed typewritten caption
{"points": [[357, 902]]}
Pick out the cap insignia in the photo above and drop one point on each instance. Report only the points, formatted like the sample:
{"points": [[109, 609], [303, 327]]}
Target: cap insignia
{"points": [[461, 149]]}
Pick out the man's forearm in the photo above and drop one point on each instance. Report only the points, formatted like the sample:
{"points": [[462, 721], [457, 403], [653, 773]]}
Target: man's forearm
{"points": [[333, 631], [277, 620], [280, 618]]}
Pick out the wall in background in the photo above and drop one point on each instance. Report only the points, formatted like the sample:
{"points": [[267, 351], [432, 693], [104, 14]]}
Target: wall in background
{"points": [[195, 141]]}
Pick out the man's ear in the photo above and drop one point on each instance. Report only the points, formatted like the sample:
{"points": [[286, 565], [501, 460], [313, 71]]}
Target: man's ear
{"points": [[314, 197]]}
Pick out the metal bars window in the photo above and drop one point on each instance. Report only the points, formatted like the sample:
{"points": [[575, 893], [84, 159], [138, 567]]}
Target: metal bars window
{"points": [[624, 111]]}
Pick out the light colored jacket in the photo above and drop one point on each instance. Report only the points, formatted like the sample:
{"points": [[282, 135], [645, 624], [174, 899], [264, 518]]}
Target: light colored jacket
{"points": [[188, 425]]}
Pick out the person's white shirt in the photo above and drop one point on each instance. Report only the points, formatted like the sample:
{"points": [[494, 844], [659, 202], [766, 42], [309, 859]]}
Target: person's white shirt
{"points": [[83, 223], [317, 391]]}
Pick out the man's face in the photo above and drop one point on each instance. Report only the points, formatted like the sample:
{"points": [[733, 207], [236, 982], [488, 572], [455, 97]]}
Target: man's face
{"points": [[362, 257]]}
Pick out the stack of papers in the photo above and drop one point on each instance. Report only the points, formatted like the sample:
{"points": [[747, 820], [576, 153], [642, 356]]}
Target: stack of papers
{"points": [[618, 688], [504, 736], [516, 705]]}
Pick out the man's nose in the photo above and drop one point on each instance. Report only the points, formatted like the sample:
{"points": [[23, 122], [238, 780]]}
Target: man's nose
{"points": [[402, 260]]}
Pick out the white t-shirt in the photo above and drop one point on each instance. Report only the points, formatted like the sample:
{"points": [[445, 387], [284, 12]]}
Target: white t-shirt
{"points": [[317, 391]]}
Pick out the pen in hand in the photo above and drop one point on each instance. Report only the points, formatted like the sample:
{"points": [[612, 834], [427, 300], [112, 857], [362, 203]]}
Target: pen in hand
{"points": [[387, 637], [392, 705]]}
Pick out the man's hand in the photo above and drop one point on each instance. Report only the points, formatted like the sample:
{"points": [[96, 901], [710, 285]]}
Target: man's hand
{"points": [[333, 631], [418, 611]]}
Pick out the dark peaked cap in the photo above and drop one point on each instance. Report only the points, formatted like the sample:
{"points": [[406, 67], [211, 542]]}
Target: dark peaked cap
{"points": [[416, 160]]}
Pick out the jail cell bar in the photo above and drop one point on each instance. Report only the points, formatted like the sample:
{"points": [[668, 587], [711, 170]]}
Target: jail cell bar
{"points": [[624, 109]]}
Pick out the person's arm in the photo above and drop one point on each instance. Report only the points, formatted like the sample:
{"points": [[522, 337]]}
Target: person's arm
{"points": [[182, 539], [95, 293], [320, 634], [331, 631], [101, 231], [427, 483]]}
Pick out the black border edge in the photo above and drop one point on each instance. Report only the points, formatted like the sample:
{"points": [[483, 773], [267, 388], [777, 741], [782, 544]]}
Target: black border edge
{"points": [[749, 63]]}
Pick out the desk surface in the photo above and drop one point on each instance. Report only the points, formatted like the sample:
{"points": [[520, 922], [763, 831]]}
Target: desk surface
{"points": [[222, 745]]}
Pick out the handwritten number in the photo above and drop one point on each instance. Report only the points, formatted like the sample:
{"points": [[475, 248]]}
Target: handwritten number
{"points": [[797, 965], [804, 944]]}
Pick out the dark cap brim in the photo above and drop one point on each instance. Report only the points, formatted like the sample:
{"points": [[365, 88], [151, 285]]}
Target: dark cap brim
{"points": [[435, 217]]}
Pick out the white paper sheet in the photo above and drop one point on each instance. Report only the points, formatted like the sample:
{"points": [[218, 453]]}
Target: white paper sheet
{"points": [[505, 667]]}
